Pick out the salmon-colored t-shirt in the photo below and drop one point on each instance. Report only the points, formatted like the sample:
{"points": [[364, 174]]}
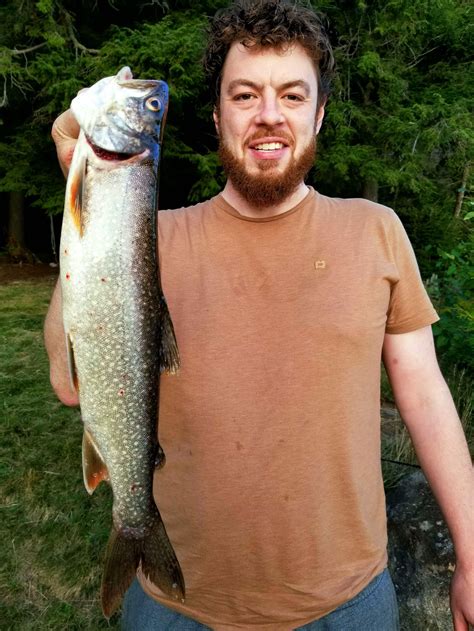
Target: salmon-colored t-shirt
{"points": [[272, 491]]}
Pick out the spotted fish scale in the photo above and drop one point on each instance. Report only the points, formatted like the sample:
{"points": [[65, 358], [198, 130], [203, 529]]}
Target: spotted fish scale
{"points": [[119, 333]]}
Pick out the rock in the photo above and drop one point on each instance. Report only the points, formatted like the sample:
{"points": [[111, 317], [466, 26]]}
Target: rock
{"points": [[421, 556]]}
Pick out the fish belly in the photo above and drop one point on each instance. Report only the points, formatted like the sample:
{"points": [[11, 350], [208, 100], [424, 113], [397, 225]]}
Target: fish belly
{"points": [[110, 298]]}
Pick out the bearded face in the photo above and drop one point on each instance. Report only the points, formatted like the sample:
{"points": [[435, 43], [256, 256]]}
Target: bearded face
{"points": [[267, 185], [267, 120]]}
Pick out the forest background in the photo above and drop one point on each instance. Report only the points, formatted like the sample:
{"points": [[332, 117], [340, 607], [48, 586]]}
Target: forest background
{"points": [[399, 127]]}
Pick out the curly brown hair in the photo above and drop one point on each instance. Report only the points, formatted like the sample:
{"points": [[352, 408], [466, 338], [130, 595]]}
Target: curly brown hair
{"points": [[272, 23]]}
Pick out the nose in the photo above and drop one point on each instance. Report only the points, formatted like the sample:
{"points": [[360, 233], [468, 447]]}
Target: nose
{"points": [[269, 112]]}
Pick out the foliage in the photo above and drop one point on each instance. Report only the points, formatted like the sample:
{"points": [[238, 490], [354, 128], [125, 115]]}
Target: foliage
{"points": [[451, 287], [401, 98], [401, 102], [43, 81]]}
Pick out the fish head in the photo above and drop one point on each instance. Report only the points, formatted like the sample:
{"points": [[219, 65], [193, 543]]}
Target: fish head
{"points": [[122, 115]]}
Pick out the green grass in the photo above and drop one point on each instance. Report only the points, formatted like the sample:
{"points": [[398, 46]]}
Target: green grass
{"points": [[53, 534]]}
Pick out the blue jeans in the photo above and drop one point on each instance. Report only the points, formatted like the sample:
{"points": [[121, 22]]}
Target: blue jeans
{"points": [[373, 609]]}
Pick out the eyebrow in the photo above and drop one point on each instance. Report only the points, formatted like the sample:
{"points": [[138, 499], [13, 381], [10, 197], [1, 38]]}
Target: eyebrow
{"points": [[298, 83]]}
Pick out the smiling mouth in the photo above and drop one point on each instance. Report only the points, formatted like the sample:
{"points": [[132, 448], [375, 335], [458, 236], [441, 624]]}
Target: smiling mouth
{"points": [[269, 146]]}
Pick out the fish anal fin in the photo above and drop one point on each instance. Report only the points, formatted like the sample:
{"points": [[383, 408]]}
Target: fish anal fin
{"points": [[168, 354], [73, 378], [94, 468], [160, 458]]}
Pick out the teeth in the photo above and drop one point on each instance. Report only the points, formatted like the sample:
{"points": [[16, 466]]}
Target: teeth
{"points": [[269, 146]]}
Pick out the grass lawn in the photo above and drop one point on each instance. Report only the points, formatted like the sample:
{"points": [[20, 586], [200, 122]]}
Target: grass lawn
{"points": [[53, 534]]}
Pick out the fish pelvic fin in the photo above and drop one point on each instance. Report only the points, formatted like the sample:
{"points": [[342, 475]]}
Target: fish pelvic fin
{"points": [[94, 468], [73, 378], [158, 560], [168, 353]]}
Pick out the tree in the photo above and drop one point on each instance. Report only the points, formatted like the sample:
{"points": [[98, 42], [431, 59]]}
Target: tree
{"points": [[398, 127], [49, 49]]}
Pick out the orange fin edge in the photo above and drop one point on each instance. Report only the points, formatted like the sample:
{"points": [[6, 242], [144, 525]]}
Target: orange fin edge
{"points": [[76, 195], [94, 468]]}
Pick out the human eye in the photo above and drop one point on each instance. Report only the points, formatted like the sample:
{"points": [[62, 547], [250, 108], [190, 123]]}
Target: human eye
{"points": [[244, 96], [295, 98]]}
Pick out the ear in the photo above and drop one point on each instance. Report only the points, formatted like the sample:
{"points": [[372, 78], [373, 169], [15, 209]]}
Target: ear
{"points": [[320, 116], [215, 116]]}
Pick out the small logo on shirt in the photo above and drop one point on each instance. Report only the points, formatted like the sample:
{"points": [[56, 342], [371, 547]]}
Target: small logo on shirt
{"points": [[319, 264]]}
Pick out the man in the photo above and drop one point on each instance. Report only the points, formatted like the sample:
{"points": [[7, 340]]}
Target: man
{"points": [[283, 303]]}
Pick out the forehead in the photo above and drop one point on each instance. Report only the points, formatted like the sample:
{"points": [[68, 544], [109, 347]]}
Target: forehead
{"points": [[268, 65]]}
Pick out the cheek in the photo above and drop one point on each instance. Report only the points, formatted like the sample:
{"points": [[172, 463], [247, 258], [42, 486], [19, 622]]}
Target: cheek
{"points": [[232, 132]]}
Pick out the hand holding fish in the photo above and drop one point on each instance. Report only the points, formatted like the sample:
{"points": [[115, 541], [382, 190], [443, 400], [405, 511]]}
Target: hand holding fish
{"points": [[65, 133]]}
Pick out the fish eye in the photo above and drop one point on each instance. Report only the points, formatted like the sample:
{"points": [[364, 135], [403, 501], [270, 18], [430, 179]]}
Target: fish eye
{"points": [[153, 104]]}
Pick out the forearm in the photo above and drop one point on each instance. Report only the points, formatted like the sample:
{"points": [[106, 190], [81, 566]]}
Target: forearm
{"points": [[55, 342], [439, 442]]}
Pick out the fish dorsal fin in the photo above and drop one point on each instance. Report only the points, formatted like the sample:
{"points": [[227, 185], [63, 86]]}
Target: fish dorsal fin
{"points": [[94, 468], [168, 353], [74, 381], [76, 194]]}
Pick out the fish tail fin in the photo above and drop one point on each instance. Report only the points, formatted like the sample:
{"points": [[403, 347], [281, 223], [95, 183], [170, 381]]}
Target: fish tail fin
{"points": [[168, 353], [124, 554], [121, 562], [159, 562]]}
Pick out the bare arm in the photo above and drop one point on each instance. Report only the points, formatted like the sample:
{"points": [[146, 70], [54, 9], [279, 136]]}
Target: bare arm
{"points": [[65, 132], [55, 342], [428, 411]]}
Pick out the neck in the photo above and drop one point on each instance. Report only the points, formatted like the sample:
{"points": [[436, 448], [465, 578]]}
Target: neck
{"points": [[244, 207]]}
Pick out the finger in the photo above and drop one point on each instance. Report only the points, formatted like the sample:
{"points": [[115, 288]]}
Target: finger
{"points": [[459, 622]]}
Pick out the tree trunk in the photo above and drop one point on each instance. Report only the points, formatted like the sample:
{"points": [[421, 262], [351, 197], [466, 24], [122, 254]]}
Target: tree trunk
{"points": [[371, 189], [16, 221], [16, 246], [461, 191]]}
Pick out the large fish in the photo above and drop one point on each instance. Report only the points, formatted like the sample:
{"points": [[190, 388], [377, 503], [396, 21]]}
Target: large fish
{"points": [[119, 333]]}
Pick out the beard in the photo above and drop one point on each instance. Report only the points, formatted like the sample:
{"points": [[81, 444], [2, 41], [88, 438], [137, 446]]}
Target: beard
{"points": [[267, 187]]}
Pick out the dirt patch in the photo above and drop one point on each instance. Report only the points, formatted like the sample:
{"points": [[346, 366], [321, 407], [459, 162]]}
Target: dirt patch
{"points": [[13, 272]]}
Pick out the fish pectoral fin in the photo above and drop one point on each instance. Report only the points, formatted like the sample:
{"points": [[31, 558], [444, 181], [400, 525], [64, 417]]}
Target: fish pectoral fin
{"points": [[74, 381], [168, 353], [94, 468], [76, 195]]}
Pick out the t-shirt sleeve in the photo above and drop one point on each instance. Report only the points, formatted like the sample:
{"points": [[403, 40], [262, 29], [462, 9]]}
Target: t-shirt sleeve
{"points": [[410, 307]]}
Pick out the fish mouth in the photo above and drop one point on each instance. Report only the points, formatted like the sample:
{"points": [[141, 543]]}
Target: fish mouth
{"points": [[113, 156]]}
